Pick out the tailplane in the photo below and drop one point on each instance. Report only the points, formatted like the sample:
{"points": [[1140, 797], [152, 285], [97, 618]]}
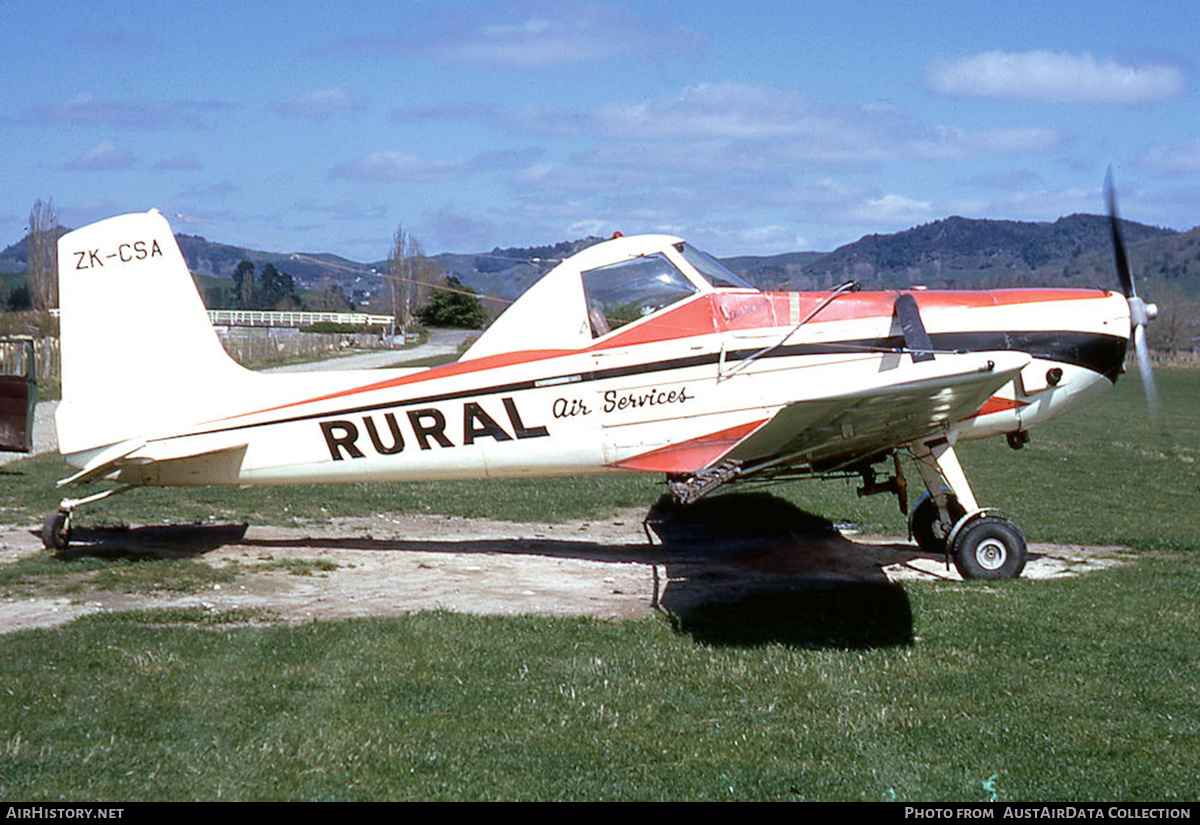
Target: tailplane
{"points": [[139, 354]]}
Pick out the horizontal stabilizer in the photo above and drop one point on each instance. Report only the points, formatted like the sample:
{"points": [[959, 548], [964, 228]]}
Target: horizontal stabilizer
{"points": [[103, 462], [135, 462]]}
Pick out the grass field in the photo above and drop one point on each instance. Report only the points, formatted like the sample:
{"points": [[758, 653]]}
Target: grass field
{"points": [[1084, 689]]}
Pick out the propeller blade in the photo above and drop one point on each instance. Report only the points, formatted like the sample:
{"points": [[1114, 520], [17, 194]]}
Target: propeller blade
{"points": [[1114, 219], [1143, 358], [1140, 312]]}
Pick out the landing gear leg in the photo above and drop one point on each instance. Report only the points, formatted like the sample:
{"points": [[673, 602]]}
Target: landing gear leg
{"points": [[948, 519], [56, 529]]}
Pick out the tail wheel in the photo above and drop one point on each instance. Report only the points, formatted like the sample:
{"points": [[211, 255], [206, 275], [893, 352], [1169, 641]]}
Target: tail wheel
{"points": [[56, 531], [923, 522], [990, 548]]}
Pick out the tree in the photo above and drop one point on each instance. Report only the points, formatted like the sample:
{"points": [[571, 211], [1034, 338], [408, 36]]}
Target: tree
{"points": [[411, 276], [42, 252], [1178, 318], [327, 297], [276, 290], [243, 285], [455, 305], [19, 299]]}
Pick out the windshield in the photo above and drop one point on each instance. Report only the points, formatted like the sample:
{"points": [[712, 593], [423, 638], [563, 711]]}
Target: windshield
{"points": [[710, 267], [620, 293]]}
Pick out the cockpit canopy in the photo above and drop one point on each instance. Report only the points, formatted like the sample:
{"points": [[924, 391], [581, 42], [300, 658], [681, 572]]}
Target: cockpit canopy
{"points": [[601, 289]]}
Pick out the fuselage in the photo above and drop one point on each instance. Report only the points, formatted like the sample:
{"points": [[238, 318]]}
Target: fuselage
{"points": [[670, 392], [635, 354]]}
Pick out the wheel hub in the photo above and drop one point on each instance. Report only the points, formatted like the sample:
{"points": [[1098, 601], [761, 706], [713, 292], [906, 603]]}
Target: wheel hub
{"points": [[991, 554]]}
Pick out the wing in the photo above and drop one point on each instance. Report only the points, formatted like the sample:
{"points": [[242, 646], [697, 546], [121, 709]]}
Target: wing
{"points": [[839, 428]]}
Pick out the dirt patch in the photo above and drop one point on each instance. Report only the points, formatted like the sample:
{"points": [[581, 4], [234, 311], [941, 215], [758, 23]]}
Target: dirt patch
{"points": [[613, 568]]}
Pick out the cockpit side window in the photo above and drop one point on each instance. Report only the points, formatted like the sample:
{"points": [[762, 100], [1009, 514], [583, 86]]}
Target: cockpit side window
{"points": [[620, 293], [712, 269]]}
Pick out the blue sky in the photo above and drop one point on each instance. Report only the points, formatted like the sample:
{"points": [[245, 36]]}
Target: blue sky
{"points": [[749, 127]]}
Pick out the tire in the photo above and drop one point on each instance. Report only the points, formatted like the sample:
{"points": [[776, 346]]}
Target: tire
{"points": [[990, 548], [56, 531], [923, 518]]}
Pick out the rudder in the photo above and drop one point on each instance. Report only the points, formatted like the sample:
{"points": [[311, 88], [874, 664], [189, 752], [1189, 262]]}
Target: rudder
{"points": [[138, 351]]}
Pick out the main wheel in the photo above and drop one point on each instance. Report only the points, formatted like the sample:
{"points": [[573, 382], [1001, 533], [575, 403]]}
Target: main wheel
{"points": [[924, 522], [990, 548], [56, 531]]}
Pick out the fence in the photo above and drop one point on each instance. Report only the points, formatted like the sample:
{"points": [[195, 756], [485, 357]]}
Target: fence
{"points": [[298, 319], [247, 345], [14, 359], [266, 345]]}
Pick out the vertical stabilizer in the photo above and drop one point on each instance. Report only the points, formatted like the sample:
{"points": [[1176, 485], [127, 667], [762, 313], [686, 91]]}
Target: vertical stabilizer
{"points": [[139, 354]]}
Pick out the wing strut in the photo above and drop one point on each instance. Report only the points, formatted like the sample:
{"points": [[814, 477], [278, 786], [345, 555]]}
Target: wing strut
{"points": [[849, 286]]}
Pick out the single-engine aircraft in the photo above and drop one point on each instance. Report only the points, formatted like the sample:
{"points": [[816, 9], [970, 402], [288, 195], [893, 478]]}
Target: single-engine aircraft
{"points": [[638, 354]]}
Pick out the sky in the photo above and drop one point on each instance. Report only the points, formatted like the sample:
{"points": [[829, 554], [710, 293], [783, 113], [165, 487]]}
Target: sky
{"points": [[747, 127]]}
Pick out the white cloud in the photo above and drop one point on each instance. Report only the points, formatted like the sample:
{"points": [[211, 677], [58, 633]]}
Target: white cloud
{"points": [[129, 113], [186, 161], [398, 166], [893, 209], [945, 143], [594, 228], [580, 178], [211, 190], [547, 35], [344, 210], [412, 167], [319, 105], [772, 237], [454, 230], [736, 125], [1040, 204], [103, 157], [743, 126], [1181, 157], [1054, 77], [1007, 180], [721, 110]]}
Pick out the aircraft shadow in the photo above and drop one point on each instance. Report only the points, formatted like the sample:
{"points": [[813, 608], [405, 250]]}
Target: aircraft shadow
{"points": [[776, 574], [738, 569], [166, 541]]}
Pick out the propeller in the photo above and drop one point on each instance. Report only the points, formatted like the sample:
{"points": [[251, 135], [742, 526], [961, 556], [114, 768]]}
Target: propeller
{"points": [[1140, 312]]}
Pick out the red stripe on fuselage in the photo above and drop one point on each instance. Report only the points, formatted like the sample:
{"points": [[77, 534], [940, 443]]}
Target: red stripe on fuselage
{"points": [[489, 362], [726, 310], [733, 310]]}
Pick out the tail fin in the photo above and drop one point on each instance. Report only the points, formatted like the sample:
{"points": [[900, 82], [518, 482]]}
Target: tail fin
{"points": [[138, 351]]}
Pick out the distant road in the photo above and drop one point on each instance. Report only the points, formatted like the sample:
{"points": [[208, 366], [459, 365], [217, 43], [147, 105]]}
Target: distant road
{"points": [[441, 342]]}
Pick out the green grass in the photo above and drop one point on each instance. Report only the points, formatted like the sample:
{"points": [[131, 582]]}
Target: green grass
{"points": [[124, 574], [1085, 689], [298, 567], [1065, 691]]}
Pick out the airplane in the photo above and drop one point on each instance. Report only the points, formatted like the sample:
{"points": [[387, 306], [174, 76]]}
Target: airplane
{"points": [[637, 354]]}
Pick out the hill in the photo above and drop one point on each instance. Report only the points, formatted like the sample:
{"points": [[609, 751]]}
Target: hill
{"points": [[506, 273], [964, 252], [954, 252], [771, 271], [217, 260]]}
